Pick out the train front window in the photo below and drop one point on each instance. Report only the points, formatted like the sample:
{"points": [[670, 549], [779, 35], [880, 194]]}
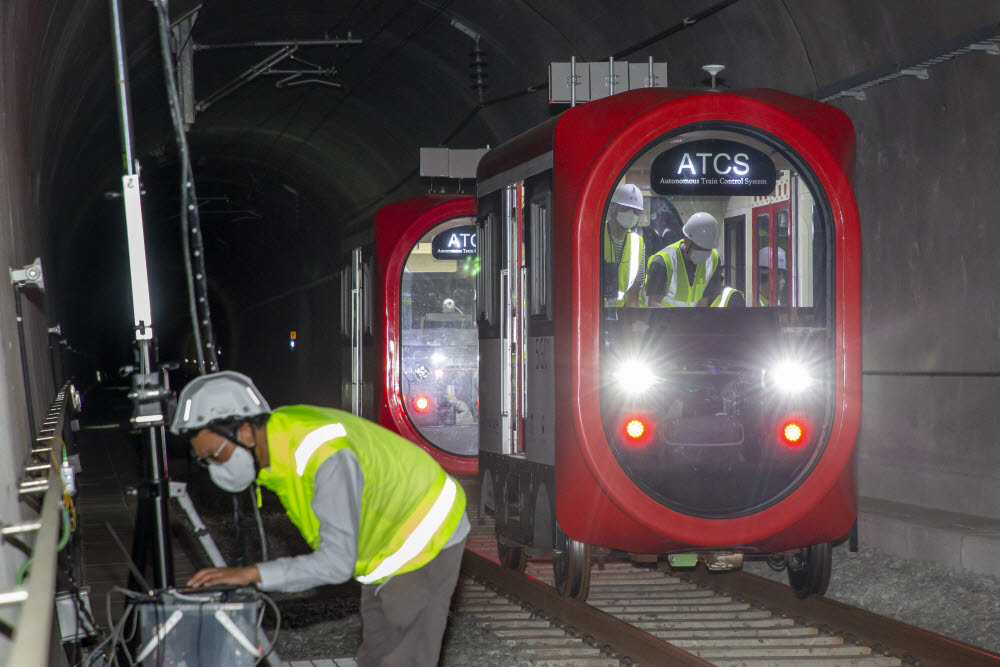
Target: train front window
{"points": [[439, 346], [717, 338]]}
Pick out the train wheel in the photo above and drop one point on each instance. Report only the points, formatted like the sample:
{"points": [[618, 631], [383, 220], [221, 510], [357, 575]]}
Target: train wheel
{"points": [[809, 570], [511, 557], [571, 566]]}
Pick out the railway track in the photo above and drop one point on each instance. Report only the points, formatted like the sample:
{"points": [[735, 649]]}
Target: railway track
{"points": [[638, 614]]}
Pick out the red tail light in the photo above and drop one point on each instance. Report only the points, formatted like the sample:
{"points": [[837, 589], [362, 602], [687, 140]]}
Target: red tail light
{"points": [[637, 430], [421, 403], [793, 432]]}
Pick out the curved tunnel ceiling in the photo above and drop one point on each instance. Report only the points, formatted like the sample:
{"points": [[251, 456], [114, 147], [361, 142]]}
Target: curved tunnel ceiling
{"points": [[283, 174]]}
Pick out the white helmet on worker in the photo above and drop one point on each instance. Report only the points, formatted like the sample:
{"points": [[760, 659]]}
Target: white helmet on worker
{"points": [[217, 398], [764, 259], [703, 229], [628, 195]]}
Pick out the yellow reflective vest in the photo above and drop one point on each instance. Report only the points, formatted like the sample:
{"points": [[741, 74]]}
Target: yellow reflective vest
{"points": [[632, 257], [725, 295], [680, 292], [409, 505]]}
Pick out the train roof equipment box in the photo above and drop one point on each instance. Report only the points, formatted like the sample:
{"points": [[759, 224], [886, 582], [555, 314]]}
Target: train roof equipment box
{"points": [[181, 629]]}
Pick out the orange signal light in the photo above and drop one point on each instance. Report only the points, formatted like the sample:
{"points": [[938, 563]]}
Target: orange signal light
{"points": [[421, 403]]}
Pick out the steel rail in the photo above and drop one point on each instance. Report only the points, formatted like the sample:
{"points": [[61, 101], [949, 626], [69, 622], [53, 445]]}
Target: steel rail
{"points": [[630, 644], [912, 645]]}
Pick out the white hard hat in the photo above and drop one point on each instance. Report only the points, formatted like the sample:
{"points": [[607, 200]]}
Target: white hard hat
{"points": [[703, 229], [217, 397], [764, 259], [628, 195]]}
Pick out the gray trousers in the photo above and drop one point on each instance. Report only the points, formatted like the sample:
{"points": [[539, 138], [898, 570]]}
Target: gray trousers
{"points": [[403, 620]]}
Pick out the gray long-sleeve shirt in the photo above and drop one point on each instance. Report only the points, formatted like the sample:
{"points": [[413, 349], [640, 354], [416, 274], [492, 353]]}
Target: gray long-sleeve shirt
{"points": [[337, 504]]}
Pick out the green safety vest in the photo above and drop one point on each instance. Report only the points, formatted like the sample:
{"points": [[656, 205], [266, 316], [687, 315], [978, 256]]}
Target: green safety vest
{"points": [[679, 291], [409, 505], [722, 300], [628, 264]]}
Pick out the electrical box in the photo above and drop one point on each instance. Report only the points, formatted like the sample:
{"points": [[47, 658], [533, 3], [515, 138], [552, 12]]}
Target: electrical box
{"points": [[434, 162], [592, 81], [560, 75], [178, 630], [638, 75], [601, 78]]}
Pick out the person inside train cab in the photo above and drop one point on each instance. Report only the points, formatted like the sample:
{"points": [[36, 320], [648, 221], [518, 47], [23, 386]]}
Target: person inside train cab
{"points": [[624, 254], [721, 294], [764, 276], [664, 226], [371, 504], [679, 275]]}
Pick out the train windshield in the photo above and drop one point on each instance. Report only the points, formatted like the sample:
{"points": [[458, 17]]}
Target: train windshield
{"points": [[439, 346], [717, 341]]}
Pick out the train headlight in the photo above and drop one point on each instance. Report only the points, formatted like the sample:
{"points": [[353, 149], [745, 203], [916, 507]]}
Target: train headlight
{"points": [[634, 377], [791, 378]]}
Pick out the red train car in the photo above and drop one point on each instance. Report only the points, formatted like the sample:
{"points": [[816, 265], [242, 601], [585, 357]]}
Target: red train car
{"points": [[409, 310], [614, 414]]}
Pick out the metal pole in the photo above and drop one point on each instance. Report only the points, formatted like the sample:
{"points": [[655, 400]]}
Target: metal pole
{"points": [[572, 81], [158, 480], [24, 359]]}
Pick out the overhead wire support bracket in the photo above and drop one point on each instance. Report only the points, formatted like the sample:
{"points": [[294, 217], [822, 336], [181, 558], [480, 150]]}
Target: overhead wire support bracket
{"points": [[184, 47], [246, 77]]}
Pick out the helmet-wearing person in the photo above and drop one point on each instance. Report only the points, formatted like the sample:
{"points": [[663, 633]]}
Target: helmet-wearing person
{"points": [[372, 505], [624, 254], [678, 275], [726, 296], [764, 277]]}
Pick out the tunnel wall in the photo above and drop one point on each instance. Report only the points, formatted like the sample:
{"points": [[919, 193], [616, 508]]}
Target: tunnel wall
{"points": [[22, 25]]}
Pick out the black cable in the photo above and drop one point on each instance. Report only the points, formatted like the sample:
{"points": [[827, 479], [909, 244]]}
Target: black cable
{"points": [[273, 641], [240, 538], [264, 554], [197, 283]]}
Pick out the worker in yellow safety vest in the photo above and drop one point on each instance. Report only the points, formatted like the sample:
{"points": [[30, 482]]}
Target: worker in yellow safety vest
{"points": [[725, 296], [624, 254], [372, 505], [677, 276]]}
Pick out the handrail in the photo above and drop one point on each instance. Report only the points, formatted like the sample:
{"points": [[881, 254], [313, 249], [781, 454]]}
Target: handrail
{"points": [[33, 632]]}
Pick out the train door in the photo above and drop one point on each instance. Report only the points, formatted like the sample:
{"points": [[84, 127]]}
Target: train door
{"points": [[356, 323], [513, 322], [772, 254], [734, 248]]}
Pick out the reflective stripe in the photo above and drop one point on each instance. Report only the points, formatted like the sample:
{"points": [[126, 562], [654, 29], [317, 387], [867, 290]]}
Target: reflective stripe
{"points": [[252, 397], [187, 409], [420, 536], [669, 298], [633, 259], [314, 441]]}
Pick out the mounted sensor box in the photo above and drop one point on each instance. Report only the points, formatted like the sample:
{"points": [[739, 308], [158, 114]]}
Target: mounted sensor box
{"points": [[594, 82], [560, 75], [450, 162]]}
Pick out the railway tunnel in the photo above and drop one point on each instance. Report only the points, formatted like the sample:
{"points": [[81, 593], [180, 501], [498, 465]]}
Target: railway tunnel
{"points": [[293, 156]]}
